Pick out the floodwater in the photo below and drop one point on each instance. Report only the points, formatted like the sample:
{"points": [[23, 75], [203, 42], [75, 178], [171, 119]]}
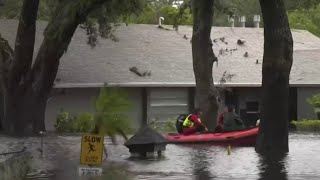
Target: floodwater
{"points": [[60, 161]]}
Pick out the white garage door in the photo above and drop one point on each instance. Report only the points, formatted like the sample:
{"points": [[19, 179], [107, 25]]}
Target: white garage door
{"points": [[167, 103]]}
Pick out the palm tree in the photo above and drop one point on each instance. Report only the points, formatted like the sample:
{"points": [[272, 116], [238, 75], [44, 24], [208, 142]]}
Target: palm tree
{"points": [[109, 116]]}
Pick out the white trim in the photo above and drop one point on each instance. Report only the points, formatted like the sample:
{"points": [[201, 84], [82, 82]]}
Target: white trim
{"points": [[167, 105], [147, 84], [164, 84], [78, 85]]}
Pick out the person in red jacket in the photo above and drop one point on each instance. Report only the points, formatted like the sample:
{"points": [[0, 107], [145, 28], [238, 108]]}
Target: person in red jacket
{"points": [[192, 124], [219, 126]]}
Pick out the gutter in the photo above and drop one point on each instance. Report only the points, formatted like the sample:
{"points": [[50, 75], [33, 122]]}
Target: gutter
{"points": [[161, 84]]}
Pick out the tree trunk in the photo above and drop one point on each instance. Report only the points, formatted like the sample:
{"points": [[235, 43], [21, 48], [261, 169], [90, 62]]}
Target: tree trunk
{"points": [[6, 56], [11, 104], [203, 58], [35, 108], [14, 70], [25, 87], [277, 62], [23, 110]]}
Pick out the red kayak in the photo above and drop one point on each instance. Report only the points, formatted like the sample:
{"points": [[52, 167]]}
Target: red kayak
{"points": [[238, 138]]}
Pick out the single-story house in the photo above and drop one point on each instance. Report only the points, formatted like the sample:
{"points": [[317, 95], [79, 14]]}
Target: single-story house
{"points": [[166, 54]]}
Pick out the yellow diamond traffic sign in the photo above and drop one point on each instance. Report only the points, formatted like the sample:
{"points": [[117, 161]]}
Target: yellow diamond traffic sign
{"points": [[91, 149]]}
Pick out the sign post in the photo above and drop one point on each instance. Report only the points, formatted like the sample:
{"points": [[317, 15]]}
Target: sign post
{"points": [[91, 154]]}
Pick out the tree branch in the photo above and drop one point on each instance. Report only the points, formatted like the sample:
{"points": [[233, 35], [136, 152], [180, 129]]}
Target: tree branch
{"points": [[57, 37], [24, 45], [177, 20]]}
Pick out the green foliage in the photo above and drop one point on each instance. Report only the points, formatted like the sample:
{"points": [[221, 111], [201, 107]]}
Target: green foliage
{"points": [[98, 20], [151, 14], [147, 16], [247, 8], [300, 4], [170, 14], [164, 127], [106, 18], [314, 101], [307, 19], [110, 107], [65, 122], [303, 14], [109, 117], [307, 125], [84, 123], [11, 9]]}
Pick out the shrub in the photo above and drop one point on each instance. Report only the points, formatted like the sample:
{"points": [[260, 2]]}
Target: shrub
{"points": [[164, 127], [110, 107], [65, 122], [314, 101], [307, 125], [72, 124], [84, 123], [108, 119]]}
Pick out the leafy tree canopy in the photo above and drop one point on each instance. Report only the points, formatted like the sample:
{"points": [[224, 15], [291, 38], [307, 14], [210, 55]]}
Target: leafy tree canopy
{"points": [[308, 19], [100, 22], [26, 82]]}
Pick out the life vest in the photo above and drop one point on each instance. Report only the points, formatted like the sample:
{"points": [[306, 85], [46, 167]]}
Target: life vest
{"points": [[187, 122]]}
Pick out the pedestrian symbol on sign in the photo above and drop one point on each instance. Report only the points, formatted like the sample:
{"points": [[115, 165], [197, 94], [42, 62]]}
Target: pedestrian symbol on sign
{"points": [[91, 148]]}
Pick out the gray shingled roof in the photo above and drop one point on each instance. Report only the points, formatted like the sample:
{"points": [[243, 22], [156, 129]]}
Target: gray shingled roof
{"points": [[168, 56]]}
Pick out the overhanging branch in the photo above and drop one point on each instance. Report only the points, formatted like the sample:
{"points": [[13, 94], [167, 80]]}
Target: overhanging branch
{"points": [[177, 20], [57, 37]]}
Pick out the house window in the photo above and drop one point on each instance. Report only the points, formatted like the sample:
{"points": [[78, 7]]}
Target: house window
{"points": [[253, 107]]}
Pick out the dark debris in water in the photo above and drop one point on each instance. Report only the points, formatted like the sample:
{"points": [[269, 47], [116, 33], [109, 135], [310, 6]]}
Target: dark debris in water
{"points": [[39, 174]]}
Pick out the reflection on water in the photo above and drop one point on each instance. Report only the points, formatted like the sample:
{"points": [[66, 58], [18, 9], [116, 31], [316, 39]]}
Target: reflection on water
{"points": [[187, 162], [195, 162], [199, 159], [273, 167]]}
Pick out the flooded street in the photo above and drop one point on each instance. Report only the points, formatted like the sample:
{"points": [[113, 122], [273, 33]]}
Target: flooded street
{"points": [[60, 161]]}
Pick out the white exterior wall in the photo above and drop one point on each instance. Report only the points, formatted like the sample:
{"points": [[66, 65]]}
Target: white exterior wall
{"points": [[79, 100], [305, 110], [162, 103]]}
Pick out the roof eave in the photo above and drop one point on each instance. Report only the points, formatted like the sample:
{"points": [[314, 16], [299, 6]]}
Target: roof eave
{"points": [[164, 84], [148, 84]]}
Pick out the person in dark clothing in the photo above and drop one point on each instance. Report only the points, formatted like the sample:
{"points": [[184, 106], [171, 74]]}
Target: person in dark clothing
{"points": [[220, 120], [192, 124], [229, 121]]}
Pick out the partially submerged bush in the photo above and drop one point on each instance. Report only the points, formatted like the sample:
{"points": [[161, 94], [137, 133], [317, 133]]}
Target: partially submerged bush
{"points": [[307, 125], [314, 101], [109, 117], [72, 124], [84, 123], [64, 122], [110, 106], [164, 126]]}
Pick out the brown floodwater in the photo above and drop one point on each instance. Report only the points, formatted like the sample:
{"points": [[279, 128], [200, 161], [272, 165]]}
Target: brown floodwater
{"points": [[60, 161]]}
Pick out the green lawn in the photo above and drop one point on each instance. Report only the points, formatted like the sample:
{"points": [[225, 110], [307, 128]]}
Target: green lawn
{"points": [[307, 125]]}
